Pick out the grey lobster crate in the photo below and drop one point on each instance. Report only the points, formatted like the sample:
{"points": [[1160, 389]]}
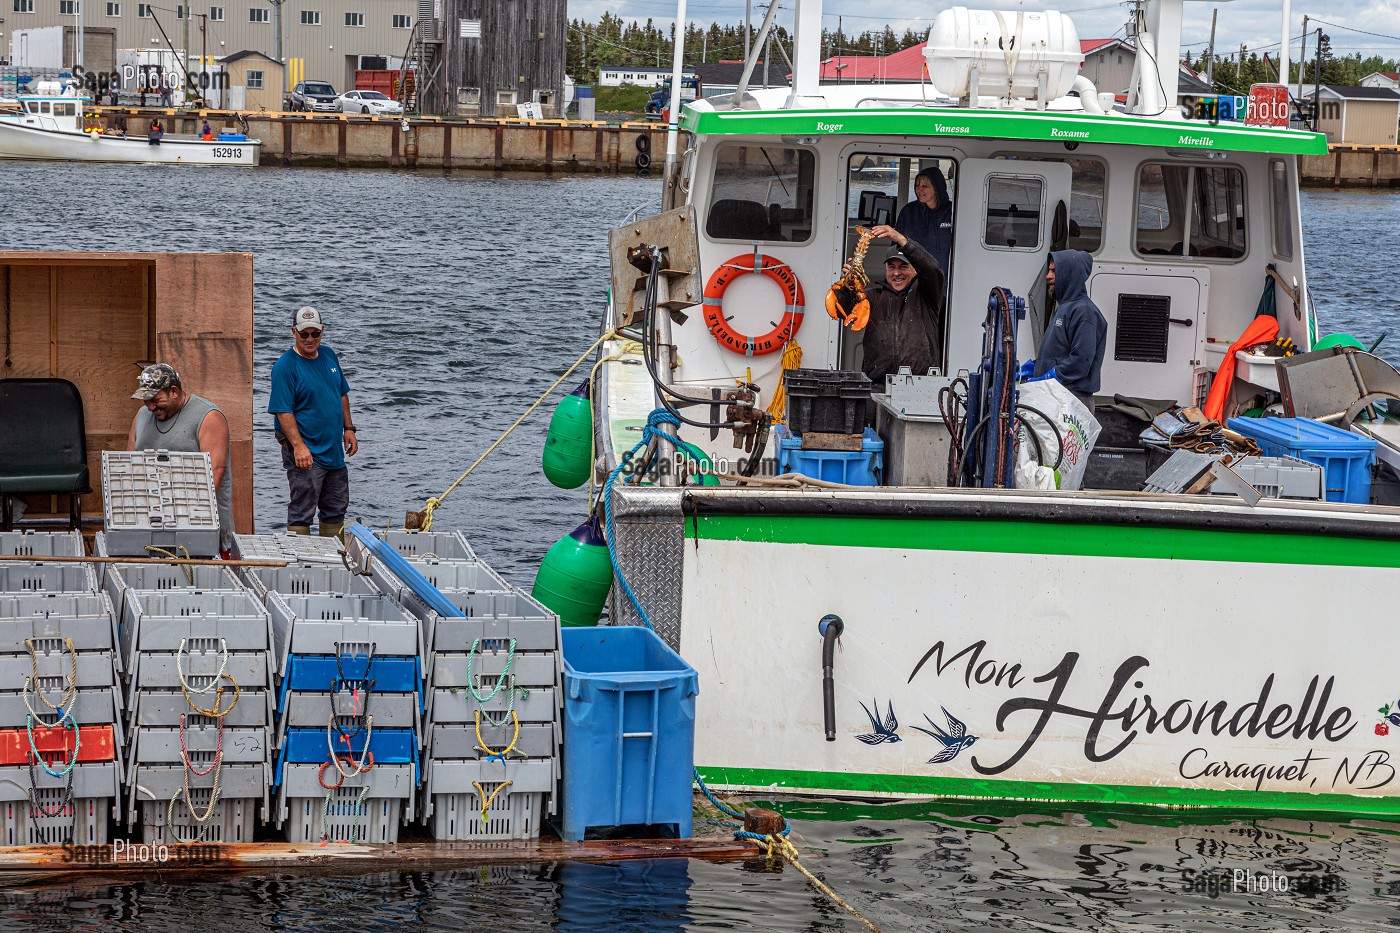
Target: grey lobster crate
{"points": [[163, 708], [532, 704], [306, 710], [496, 616], [526, 776], [536, 740], [159, 499], [162, 670], [96, 706], [295, 549], [87, 618], [232, 820], [305, 581], [159, 783], [301, 780], [509, 815], [160, 620], [24, 577], [157, 745], [538, 669], [345, 817], [40, 544], [91, 780], [95, 669], [123, 578], [324, 624], [465, 575], [46, 821], [443, 545]]}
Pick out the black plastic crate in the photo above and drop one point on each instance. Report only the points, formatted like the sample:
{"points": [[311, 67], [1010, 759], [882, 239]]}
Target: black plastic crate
{"points": [[1119, 468], [826, 400]]}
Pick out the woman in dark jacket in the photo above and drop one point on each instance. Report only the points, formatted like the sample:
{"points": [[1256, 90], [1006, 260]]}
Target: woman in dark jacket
{"points": [[928, 219]]}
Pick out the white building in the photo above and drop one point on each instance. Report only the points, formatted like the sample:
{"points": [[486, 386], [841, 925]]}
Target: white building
{"points": [[629, 74]]}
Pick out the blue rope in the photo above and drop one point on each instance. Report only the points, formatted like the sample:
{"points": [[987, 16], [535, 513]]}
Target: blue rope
{"points": [[657, 418], [739, 833]]}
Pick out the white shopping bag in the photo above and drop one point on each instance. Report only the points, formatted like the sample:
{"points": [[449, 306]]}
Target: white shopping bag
{"points": [[1076, 427]]}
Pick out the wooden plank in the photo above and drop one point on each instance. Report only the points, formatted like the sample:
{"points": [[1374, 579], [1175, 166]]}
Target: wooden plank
{"points": [[100, 325], [49, 864], [29, 322]]}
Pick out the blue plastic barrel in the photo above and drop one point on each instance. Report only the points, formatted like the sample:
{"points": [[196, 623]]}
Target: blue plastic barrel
{"points": [[629, 731]]}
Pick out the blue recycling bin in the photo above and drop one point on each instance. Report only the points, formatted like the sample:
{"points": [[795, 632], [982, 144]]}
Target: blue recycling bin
{"points": [[629, 732]]}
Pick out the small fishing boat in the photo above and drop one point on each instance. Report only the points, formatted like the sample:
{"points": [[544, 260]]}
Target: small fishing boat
{"points": [[49, 127], [1098, 644]]}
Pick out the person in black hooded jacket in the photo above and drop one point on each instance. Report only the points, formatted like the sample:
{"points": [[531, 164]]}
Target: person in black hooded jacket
{"points": [[906, 311], [1074, 342], [928, 219]]}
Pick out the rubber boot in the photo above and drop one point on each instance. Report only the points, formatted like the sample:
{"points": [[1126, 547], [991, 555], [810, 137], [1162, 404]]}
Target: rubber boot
{"points": [[299, 529], [332, 530]]}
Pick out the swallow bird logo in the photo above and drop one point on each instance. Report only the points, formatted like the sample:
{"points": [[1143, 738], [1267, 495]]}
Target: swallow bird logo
{"points": [[954, 740], [883, 731]]}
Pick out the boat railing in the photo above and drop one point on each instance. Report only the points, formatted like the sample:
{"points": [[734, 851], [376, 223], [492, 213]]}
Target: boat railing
{"points": [[646, 208]]}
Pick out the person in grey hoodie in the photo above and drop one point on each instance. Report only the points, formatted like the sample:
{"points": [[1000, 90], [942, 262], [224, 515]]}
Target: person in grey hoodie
{"points": [[1073, 346]]}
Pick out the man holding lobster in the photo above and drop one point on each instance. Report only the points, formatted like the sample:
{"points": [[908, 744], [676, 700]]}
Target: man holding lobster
{"points": [[903, 317]]}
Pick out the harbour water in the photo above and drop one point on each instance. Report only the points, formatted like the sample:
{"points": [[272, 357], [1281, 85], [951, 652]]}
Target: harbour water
{"points": [[454, 302]]}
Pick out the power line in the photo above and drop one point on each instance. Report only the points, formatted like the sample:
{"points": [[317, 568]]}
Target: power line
{"points": [[1378, 35]]}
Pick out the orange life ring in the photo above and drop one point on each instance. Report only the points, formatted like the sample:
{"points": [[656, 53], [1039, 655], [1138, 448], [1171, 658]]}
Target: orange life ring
{"points": [[786, 328]]}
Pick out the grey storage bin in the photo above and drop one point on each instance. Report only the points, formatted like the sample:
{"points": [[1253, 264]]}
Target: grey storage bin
{"points": [[163, 707], [159, 499], [1279, 477], [39, 544], [122, 578], [307, 710], [295, 549], [305, 581], [86, 618], [533, 704], [443, 545], [155, 745], [158, 621], [95, 669], [161, 670], [527, 776], [325, 624], [91, 779], [233, 820], [96, 706], [48, 823], [497, 619], [536, 740], [304, 780], [158, 783], [527, 670], [23, 577], [510, 815], [365, 807], [465, 575]]}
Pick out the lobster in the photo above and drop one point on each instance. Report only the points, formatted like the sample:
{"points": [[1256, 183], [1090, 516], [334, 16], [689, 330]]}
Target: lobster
{"points": [[846, 301]]}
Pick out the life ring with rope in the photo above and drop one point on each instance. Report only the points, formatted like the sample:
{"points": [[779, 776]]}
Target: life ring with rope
{"points": [[786, 327]]}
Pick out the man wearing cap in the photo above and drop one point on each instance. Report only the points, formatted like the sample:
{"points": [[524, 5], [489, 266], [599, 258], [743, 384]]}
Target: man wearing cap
{"points": [[175, 420], [906, 311], [311, 401]]}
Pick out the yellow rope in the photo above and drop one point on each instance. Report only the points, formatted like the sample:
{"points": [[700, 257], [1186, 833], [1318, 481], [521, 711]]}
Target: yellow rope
{"points": [[435, 501], [189, 571], [792, 359], [485, 800], [780, 847], [481, 743]]}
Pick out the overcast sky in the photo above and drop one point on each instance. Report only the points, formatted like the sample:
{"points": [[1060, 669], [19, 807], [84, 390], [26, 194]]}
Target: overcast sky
{"points": [[1256, 23]]}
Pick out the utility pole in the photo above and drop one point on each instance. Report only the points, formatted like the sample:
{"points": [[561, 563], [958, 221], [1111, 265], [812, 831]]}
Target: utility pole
{"points": [[1284, 43], [78, 39], [277, 34], [1210, 52], [748, 16], [184, 7], [839, 65], [1302, 59]]}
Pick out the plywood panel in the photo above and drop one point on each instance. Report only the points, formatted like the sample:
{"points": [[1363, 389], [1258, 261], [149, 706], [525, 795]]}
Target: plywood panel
{"points": [[29, 322], [101, 327]]}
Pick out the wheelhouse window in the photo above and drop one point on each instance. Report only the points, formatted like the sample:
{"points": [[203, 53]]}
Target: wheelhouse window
{"points": [[1086, 198], [1191, 210], [881, 187], [1012, 214], [1281, 193], [762, 193]]}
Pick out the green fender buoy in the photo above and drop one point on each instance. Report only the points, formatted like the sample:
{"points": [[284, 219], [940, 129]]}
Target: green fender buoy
{"points": [[1338, 340], [575, 575], [568, 448]]}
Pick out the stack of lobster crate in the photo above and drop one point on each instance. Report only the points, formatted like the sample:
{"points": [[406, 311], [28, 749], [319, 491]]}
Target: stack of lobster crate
{"points": [[491, 757], [349, 710], [60, 703], [196, 648]]}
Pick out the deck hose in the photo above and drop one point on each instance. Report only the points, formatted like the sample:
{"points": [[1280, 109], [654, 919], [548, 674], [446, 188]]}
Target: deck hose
{"points": [[831, 628]]}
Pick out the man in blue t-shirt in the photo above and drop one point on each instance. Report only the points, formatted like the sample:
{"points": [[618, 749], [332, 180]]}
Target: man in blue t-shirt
{"points": [[311, 401]]}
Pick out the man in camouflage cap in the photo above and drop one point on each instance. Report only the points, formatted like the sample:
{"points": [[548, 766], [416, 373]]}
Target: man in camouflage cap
{"points": [[311, 402], [175, 420]]}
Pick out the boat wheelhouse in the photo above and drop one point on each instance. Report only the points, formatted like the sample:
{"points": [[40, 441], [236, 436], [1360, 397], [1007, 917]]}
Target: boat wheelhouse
{"points": [[1102, 645]]}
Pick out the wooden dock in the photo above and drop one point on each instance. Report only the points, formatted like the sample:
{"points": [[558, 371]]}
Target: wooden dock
{"points": [[120, 861]]}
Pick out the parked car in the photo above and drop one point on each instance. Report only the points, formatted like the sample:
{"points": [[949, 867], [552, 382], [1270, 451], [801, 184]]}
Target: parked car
{"points": [[314, 95], [371, 102]]}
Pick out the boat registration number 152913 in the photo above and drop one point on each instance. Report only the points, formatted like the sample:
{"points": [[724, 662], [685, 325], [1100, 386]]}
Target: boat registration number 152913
{"points": [[228, 152]]}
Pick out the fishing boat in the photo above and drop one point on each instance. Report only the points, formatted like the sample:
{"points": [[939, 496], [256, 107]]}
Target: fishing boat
{"points": [[49, 126], [952, 640]]}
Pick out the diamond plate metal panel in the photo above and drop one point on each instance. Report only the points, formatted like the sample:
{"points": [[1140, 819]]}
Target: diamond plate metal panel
{"points": [[650, 540]]}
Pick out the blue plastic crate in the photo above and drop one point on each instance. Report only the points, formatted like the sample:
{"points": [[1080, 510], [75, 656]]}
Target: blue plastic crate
{"points": [[629, 731], [854, 468], [1345, 458], [388, 746], [316, 673]]}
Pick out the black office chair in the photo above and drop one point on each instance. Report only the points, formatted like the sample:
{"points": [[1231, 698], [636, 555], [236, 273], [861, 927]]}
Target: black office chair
{"points": [[43, 447]]}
